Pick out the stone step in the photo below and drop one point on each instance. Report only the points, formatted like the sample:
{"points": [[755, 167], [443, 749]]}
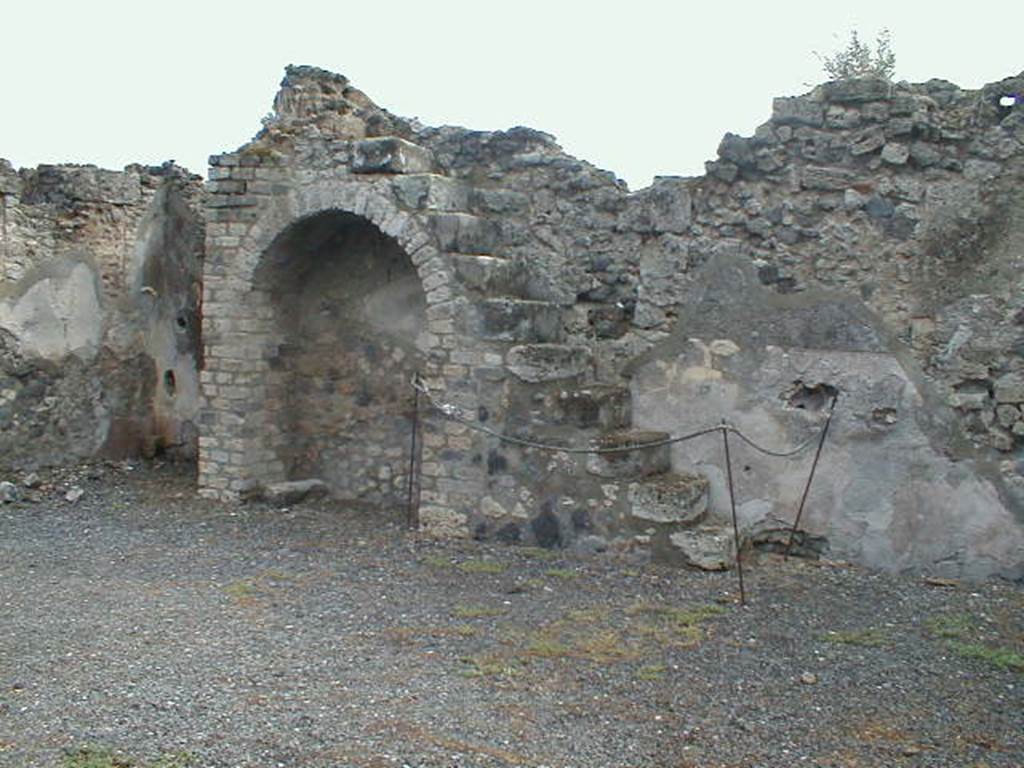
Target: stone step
{"points": [[521, 320], [628, 461], [535, 363], [431, 192], [490, 275], [464, 232], [674, 499]]}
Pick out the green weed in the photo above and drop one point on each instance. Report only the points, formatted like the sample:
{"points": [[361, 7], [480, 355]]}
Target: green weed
{"points": [[482, 566], [959, 626], [538, 553], [437, 561], [1003, 658], [489, 666], [475, 612], [651, 672]]}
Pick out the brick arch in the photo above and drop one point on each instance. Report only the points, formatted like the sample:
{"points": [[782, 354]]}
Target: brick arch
{"points": [[238, 444], [371, 201]]}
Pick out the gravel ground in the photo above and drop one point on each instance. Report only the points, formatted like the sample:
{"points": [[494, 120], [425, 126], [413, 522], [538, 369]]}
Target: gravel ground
{"points": [[142, 626]]}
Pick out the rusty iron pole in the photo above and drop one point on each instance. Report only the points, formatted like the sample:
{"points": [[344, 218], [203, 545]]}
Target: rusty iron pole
{"points": [[810, 477], [412, 511], [732, 503]]}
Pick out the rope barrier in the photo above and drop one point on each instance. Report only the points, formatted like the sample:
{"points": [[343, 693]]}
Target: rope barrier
{"points": [[455, 413]]}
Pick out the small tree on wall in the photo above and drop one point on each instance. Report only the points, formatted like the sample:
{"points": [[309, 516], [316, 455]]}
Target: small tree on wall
{"points": [[858, 59]]}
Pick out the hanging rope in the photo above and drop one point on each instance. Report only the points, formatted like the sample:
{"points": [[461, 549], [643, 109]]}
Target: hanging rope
{"points": [[455, 413]]}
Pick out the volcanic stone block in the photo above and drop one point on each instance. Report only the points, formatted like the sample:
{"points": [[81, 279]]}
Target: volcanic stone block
{"points": [[794, 110], [487, 274], [827, 179], [292, 491], [1009, 388], [518, 320], [858, 89], [709, 548], [465, 233], [390, 154], [430, 192], [623, 455], [679, 498], [547, 362]]}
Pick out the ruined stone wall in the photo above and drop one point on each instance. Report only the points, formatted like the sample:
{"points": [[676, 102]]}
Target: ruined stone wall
{"points": [[99, 314], [865, 242]]}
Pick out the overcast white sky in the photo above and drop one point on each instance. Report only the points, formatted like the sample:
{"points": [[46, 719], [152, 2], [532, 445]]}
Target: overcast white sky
{"points": [[643, 88]]}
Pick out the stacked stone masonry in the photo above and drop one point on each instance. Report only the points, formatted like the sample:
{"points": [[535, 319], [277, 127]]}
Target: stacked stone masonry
{"points": [[866, 243], [99, 312]]}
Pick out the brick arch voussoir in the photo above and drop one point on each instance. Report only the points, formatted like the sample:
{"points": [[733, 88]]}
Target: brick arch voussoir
{"points": [[373, 202]]}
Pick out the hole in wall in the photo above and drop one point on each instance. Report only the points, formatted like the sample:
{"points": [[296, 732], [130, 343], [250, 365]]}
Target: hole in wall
{"points": [[885, 417], [170, 382], [808, 397], [181, 321]]}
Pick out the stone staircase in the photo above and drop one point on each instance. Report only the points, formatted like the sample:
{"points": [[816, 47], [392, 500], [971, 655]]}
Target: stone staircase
{"points": [[543, 391]]}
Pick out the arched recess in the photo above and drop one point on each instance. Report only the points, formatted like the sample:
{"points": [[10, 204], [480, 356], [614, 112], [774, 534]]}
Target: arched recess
{"points": [[345, 314]]}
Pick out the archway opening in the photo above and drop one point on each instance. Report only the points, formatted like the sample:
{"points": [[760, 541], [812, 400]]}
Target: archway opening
{"points": [[347, 307]]}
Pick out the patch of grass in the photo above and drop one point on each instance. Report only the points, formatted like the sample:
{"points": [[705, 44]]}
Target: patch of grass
{"points": [[533, 583], [548, 648], [243, 590], [595, 644], [565, 574], [464, 630], [603, 647], [246, 591], [482, 566], [866, 638], [476, 612], [1003, 658], [587, 615], [181, 760], [408, 635], [94, 757], [489, 666], [679, 635], [682, 617], [669, 625], [539, 553], [959, 626], [650, 672]]}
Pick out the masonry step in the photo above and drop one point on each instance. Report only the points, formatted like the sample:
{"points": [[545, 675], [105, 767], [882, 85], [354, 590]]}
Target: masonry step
{"points": [[464, 232], [536, 363], [628, 461], [431, 192], [520, 320], [491, 274], [679, 499]]}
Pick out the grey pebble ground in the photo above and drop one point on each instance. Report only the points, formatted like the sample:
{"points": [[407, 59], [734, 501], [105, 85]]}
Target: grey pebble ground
{"points": [[141, 626]]}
